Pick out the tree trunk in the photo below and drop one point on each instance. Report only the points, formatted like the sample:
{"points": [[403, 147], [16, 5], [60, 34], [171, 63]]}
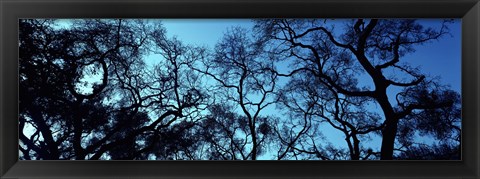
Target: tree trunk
{"points": [[388, 140], [77, 132], [254, 141], [390, 130], [356, 147]]}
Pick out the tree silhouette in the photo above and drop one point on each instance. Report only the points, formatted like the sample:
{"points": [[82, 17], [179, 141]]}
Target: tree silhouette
{"points": [[315, 103], [238, 67], [376, 47], [121, 115], [121, 89]]}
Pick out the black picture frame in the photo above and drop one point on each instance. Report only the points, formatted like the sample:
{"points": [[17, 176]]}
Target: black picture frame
{"points": [[12, 10]]}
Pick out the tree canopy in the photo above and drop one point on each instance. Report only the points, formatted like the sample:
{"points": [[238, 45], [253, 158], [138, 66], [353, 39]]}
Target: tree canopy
{"points": [[121, 89]]}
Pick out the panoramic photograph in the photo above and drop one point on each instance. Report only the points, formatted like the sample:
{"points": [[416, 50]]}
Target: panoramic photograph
{"points": [[239, 89]]}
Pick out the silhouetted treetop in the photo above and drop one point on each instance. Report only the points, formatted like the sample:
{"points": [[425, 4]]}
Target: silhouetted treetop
{"points": [[125, 89]]}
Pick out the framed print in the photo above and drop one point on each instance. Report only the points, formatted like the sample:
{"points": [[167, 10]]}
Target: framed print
{"points": [[239, 89]]}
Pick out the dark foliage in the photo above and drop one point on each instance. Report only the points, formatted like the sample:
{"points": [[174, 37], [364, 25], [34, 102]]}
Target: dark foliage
{"points": [[122, 90]]}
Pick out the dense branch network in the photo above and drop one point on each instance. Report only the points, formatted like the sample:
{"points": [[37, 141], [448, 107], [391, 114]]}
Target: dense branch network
{"points": [[122, 89]]}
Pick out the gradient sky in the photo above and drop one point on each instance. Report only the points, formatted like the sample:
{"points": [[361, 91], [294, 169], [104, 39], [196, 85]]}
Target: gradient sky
{"points": [[442, 57], [437, 58]]}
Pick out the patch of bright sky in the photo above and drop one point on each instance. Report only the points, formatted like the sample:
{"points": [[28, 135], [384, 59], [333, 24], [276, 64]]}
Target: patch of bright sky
{"points": [[202, 31]]}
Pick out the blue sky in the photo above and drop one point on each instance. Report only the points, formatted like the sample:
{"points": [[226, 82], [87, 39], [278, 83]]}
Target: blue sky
{"points": [[202, 31], [440, 57], [437, 58]]}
